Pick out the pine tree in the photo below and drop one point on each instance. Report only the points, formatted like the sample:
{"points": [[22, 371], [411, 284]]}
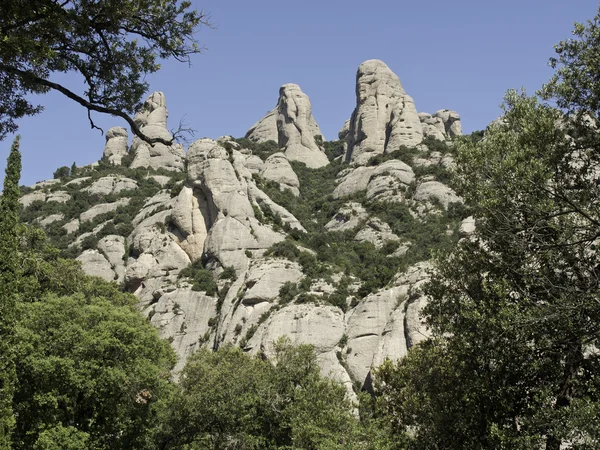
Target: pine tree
{"points": [[9, 219]]}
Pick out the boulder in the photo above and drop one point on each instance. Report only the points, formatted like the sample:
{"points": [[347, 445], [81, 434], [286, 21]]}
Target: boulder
{"points": [[437, 192], [277, 168], [51, 219], [111, 185], [102, 208], [348, 217], [265, 129], [451, 121], [182, 316], [266, 276], [376, 232], [113, 249], [28, 199], [352, 182], [116, 145], [58, 197], [95, 264]]}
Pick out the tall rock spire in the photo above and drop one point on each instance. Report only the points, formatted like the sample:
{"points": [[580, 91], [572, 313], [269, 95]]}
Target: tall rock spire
{"points": [[385, 117], [292, 125]]}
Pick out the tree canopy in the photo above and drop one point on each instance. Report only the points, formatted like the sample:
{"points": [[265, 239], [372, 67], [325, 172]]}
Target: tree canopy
{"points": [[111, 44], [514, 310]]}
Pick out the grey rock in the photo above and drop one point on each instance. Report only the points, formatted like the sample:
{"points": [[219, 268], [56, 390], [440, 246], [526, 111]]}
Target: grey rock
{"points": [[78, 181], [51, 219], [102, 208], [467, 227], [152, 120], [348, 217], [28, 199], [385, 117], [71, 226], [45, 184], [266, 276], [113, 249], [277, 168], [436, 191], [451, 120], [182, 316], [376, 232], [160, 179], [95, 264], [58, 196], [111, 185], [353, 182], [265, 129], [116, 145], [292, 125], [297, 127], [254, 164]]}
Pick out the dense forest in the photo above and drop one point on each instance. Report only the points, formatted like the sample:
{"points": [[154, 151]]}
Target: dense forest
{"points": [[513, 310]]}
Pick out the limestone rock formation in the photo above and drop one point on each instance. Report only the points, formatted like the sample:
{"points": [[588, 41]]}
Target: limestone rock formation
{"points": [[292, 125], [376, 232], [111, 185], [265, 129], [451, 121], [116, 145], [41, 196], [385, 117], [102, 208], [152, 120], [348, 217], [436, 191], [277, 168], [216, 217]]}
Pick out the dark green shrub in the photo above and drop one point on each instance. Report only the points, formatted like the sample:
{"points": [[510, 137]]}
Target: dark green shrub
{"points": [[228, 274], [284, 249]]}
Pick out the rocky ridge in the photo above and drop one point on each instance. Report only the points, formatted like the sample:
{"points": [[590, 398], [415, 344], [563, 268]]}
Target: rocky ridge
{"points": [[239, 243]]}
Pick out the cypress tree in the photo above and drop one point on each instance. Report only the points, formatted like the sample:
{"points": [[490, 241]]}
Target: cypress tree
{"points": [[9, 220]]}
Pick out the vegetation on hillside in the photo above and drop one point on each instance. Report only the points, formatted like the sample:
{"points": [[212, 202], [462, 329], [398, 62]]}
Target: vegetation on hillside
{"points": [[514, 311]]}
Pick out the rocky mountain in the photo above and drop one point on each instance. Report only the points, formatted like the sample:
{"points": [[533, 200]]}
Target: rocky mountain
{"points": [[245, 240]]}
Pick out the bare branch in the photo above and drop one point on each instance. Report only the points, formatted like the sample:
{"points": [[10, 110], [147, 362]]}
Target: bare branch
{"points": [[28, 76]]}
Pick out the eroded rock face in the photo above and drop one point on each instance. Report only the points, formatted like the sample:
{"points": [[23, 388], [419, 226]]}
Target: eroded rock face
{"points": [[348, 217], [292, 125], [277, 168], [152, 120], [265, 129], [116, 145], [385, 117], [451, 122], [182, 316], [111, 185], [437, 192], [377, 233]]}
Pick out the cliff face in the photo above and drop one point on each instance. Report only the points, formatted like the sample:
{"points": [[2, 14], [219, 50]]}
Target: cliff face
{"points": [[244, 241]]}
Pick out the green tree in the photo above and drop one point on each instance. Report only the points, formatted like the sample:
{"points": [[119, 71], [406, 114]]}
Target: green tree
{"points": [[9, 220], [231, 400], [514, 310], [91, 372], [111, 44]]}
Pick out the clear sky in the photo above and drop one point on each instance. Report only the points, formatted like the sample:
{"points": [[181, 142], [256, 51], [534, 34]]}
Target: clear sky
{"points": [[461, 55]]}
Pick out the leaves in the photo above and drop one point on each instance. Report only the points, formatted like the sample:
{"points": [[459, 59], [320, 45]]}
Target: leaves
{"points": [[111, 44]]}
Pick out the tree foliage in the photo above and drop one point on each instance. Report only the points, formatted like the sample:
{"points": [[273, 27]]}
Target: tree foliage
{"points": [[111, 44], [513, 362], [231, 400], [9, 257]]}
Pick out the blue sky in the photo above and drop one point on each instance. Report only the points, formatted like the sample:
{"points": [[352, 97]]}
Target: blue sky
{"points": [[461, 55]]}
